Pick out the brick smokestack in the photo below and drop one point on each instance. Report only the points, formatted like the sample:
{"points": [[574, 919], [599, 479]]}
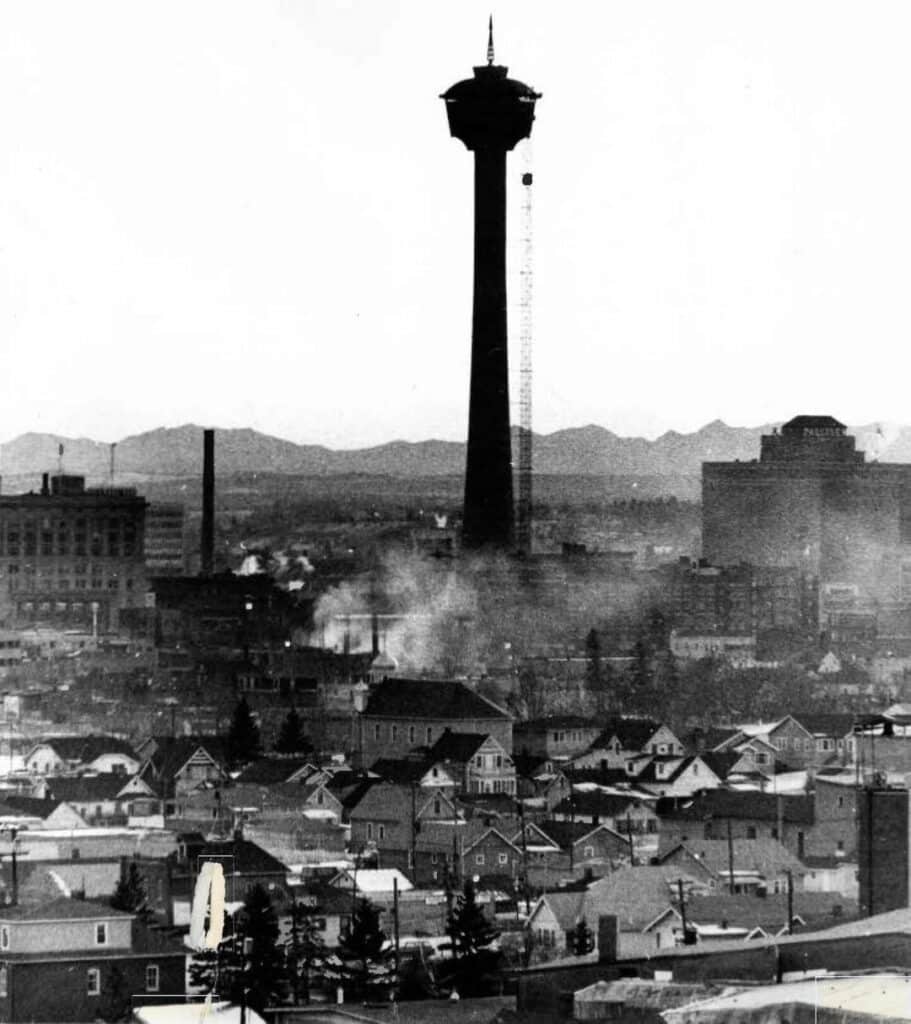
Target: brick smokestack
{"points": [[207, 549]]}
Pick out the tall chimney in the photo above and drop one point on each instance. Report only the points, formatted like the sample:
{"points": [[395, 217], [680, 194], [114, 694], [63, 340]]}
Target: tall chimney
{"points": [[374, 634], [207, 552]]}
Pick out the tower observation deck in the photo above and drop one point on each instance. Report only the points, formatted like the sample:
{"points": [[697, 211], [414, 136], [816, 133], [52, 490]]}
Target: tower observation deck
{"points": [[490, 113]]}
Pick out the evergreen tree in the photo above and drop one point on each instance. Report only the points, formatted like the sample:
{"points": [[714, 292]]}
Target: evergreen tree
{"points": [[291, 738], [306, 952], [365, 956], [131, 894], [581, 938], [244, 742], [476, 955]]}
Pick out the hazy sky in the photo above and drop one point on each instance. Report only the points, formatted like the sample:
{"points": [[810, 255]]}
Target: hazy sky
{"points": [[252, 214]]}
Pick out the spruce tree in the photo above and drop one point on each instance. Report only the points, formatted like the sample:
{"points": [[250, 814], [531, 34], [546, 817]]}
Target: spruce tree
{"points": [[476, 955], [306, 952], [244, 742], [131, 894], [291, 738], [365, 956]]}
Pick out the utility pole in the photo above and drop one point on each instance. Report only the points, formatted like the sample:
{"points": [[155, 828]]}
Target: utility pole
{"points": [[682, 901], [414, 835], [790, 902], [395, 920], [730, 860], [632, 847]]}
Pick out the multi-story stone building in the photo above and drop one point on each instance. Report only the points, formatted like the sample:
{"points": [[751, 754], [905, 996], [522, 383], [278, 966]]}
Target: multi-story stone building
{"points": [[71, 556], [165, 554], [401, 714], [812, 503]]}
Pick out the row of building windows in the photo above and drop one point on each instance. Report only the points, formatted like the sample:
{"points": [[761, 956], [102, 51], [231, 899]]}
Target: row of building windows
{"points": [[93, 980], [393, 733], [380, 831], [104, 537]]}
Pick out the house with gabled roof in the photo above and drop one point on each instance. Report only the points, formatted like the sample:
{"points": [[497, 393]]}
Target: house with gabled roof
{"points": [[628, 738], [637, 897], [401, 714], [671, 776], [563, 851], [480, 763], [491, 856], [106, 799], [558, 737], [391, 820], [419, 770], [759, 865], [716, 813], [178, 765], [59, 754], [267, 771], [629, 813]]}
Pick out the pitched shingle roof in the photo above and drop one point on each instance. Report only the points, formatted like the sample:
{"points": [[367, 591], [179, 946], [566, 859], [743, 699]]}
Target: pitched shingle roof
{"points": [[633, 733], [459, 747], [565, 833], [60, 909], [401, 770], [837, 725], [598, 804], [636, 895], [729, 803], [765, 856], [248, 857], [86, 748], [86, 788], [268, 770], [770, 912], [429, 699]]}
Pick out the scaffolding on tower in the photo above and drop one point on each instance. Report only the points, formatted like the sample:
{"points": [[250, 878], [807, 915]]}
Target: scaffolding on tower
{"points": [[524, 517]]}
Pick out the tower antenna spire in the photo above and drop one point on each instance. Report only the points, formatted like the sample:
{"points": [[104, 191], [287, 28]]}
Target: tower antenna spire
{"points": [[490, 41]]}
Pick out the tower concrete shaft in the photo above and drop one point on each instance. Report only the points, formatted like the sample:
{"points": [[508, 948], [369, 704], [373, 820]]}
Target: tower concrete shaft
{"points": [[489, 113]]}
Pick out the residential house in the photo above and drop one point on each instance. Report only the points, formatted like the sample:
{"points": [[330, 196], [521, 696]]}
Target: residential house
{"points": [[637, 898], [627, 813], [627, 738], [60, 754], [716, 915], [269, 771], [715, 813], [328, 907], [79, 960], [557, 737], [832, 735], [401, 714], [179, 765], [562, 851], [418, 769], [490, 858], [759, 865], [108, 799], [393, 820], [479, 763], [540, 784], [672, 776]]}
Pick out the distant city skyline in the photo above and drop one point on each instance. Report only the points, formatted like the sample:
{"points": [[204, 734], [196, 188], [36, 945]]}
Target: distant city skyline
{"points": [[252, 214]]}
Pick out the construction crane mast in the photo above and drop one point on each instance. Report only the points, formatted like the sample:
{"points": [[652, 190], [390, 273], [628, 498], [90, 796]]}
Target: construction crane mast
{"points": [[523, 519]]}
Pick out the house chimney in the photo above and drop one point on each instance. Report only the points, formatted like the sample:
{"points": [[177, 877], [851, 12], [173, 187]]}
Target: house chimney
{"points": [[45, 485], [608, 937], [207, 552], [375, 634]]}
